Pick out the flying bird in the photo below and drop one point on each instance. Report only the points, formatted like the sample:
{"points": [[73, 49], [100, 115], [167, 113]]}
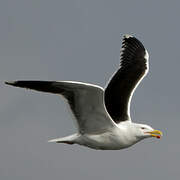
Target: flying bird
{"points": [[102, 115]]}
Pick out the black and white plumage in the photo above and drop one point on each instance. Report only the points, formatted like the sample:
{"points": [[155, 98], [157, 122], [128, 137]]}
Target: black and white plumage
{"points": [[134, 66], [103, 115]]}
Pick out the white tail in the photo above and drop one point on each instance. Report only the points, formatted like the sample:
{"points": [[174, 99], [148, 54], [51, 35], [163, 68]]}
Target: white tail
{"points": [[68, 139]]}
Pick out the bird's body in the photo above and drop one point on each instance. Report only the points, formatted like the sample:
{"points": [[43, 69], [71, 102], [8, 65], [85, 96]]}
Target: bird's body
{"points": [[103, 115], [115, 139]]}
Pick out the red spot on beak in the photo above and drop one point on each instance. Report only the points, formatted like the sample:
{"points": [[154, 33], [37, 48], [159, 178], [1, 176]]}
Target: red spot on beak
{"points": [[158, 137]]}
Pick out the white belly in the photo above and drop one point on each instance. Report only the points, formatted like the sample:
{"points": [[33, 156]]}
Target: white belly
{"points": [[106, 141]]}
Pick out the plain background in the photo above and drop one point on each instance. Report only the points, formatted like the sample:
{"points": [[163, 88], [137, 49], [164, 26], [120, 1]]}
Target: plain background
{"points": [[80, 40]]}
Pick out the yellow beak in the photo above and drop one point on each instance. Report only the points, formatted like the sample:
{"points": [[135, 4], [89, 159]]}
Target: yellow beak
{"points": [[156, 133]]}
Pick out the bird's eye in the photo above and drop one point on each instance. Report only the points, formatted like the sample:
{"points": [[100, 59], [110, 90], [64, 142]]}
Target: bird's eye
{"points": [[142, 127]]}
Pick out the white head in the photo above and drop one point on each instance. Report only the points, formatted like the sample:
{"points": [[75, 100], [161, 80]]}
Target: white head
{"points": [[144, 131]]}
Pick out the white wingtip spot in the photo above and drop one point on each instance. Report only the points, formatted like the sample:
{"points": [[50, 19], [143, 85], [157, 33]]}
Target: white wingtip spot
{"points": [[10, 82], [127, 36]]}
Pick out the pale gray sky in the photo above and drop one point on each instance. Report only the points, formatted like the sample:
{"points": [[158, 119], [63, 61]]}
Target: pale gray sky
{"points": [[80, 40]]}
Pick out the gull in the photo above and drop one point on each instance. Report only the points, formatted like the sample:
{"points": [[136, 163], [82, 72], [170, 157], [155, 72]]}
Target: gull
{"points": [[102, 115]]}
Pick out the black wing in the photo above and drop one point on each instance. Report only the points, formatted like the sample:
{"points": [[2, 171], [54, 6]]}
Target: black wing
{"points": [[133, 67]]}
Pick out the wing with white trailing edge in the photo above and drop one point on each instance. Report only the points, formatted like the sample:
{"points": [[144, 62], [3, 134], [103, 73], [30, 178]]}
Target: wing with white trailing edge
{"points": [[86, 101], [133, 67]]}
